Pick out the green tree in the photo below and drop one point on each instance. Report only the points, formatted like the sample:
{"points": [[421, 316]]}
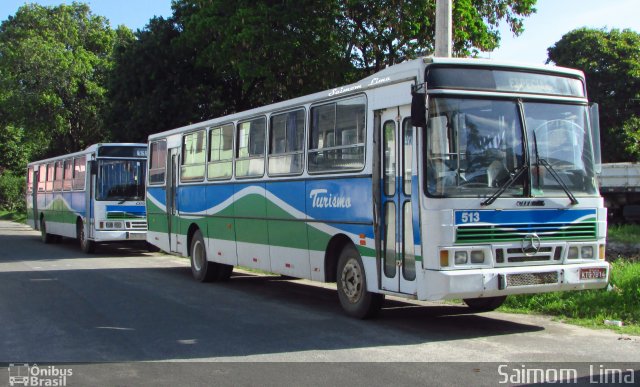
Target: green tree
{"points": [[154, 84], [385, 32], [216, 57], [611, 63], [53, 66], [15, 149]]}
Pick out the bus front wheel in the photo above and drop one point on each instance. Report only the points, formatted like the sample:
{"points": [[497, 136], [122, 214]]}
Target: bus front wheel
{"points": [[202, 269], [486, 304], [354, 297], [87, 246], [44, 235]]}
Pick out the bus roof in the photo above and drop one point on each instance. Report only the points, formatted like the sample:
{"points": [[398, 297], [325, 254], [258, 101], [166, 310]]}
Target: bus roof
{"points": [[89, 149], [411, 69]]}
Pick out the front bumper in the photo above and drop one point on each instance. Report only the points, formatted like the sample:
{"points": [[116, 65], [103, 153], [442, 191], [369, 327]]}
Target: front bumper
{"points": [[119, 235], [474, 283]]}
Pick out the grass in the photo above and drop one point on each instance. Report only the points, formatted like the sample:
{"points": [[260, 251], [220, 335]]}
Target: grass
{"points": [[625, 233], [13, 216], [621, 301]]}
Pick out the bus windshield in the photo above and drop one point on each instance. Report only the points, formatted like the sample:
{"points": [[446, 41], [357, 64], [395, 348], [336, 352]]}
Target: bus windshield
{"points": [[477, 146], [120, 180]]}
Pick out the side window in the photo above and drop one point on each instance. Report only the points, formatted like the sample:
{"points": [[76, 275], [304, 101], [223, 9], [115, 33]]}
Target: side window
{"points": [[194, 147], [67, 180], [286, 143], [157, 162], [220, 152], [57, 180], [338, 136], [42, 178], [30, 180], [79, 172], [251, 144], [407, 134]]}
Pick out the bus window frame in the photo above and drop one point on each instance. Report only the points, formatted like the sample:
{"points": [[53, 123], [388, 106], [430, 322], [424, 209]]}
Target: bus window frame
{"points": [[230, 160], [67, 181], [162, 164], [317, 150], [302, 152], [75, 179], [236, 153], [183, 156]]}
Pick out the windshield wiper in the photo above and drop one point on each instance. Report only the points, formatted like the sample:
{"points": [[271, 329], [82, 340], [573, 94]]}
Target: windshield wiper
{"points": [[552, 171], [513, 176]]}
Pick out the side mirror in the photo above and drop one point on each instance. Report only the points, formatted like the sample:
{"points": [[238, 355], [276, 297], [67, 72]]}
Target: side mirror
{"points": [[419, 106], [93, 167]]}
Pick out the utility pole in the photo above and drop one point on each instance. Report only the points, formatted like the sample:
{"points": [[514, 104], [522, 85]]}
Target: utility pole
{"points": [[444, 28]]}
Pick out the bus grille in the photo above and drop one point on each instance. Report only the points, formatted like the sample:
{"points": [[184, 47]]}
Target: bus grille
{"points": [[515, 232], [529, 279], [137, 225], [124, 215]]}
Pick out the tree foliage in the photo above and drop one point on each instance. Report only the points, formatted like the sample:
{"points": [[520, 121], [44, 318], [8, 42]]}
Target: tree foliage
{"points": [[384, 32], [611, 63], [216, 57], [53, 67]]}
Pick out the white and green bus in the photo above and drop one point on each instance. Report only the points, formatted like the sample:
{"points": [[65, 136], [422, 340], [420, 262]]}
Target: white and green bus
{"points": [[432, 179], [95, 195]]}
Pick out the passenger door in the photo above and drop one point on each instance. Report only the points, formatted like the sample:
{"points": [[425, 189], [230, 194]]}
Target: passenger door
{"points": [[398, 268], [173, 226]]}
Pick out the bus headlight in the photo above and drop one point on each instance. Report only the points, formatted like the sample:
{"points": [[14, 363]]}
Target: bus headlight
{"points": [[460, 257], [573, 252], [586, 252], [112, 225], [477, 256]]}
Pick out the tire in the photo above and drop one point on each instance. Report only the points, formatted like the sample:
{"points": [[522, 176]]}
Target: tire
{"points": [[486, 304], [44, 235], [352, 286], [201, 268], [87, 246]]}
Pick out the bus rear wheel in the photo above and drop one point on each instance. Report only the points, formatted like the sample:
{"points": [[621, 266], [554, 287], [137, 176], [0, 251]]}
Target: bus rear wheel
{"points": [[354, 297], [486, 304], [87, 246], [202, 269]]}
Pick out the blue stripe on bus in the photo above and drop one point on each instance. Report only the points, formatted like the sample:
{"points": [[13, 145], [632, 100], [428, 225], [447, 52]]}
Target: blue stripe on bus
{"points": [[506, 217]]}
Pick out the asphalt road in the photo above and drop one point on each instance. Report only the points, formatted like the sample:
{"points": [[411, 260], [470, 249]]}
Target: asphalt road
{"points": [[127, 317]]}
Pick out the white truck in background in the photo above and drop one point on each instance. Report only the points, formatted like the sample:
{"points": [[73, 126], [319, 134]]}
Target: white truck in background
{"points": [[620, 187]]}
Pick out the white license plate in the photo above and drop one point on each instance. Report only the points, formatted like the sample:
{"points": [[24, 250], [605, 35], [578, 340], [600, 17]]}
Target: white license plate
{"points": [[593, 273], [137, 236]]}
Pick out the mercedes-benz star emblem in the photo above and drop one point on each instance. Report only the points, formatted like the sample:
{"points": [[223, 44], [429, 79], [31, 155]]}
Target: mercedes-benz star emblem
{"points": [[530, 244]]}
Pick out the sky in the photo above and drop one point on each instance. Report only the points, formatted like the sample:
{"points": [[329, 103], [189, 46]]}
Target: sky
{"points": [[542, 30]]}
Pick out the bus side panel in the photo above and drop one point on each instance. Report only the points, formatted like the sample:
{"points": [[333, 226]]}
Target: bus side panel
{"points": [[158, 227], [221, 224], [288, 244], [340, 206], [252, 238]]}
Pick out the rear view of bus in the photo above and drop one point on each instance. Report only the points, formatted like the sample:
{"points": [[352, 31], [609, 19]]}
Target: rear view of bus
{"points": [[95, 195]]}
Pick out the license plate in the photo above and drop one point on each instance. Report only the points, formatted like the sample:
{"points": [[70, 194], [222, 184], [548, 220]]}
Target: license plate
{"points": [[593, 273], [137, 236]]}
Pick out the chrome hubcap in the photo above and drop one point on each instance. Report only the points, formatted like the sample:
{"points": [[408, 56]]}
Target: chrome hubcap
{"points": [[198, 255], [351, 280]]}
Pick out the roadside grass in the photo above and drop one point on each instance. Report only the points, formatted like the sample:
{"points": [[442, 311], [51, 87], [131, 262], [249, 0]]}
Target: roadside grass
{"points": [[18, 217], [625, 233], [590, 308]]}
